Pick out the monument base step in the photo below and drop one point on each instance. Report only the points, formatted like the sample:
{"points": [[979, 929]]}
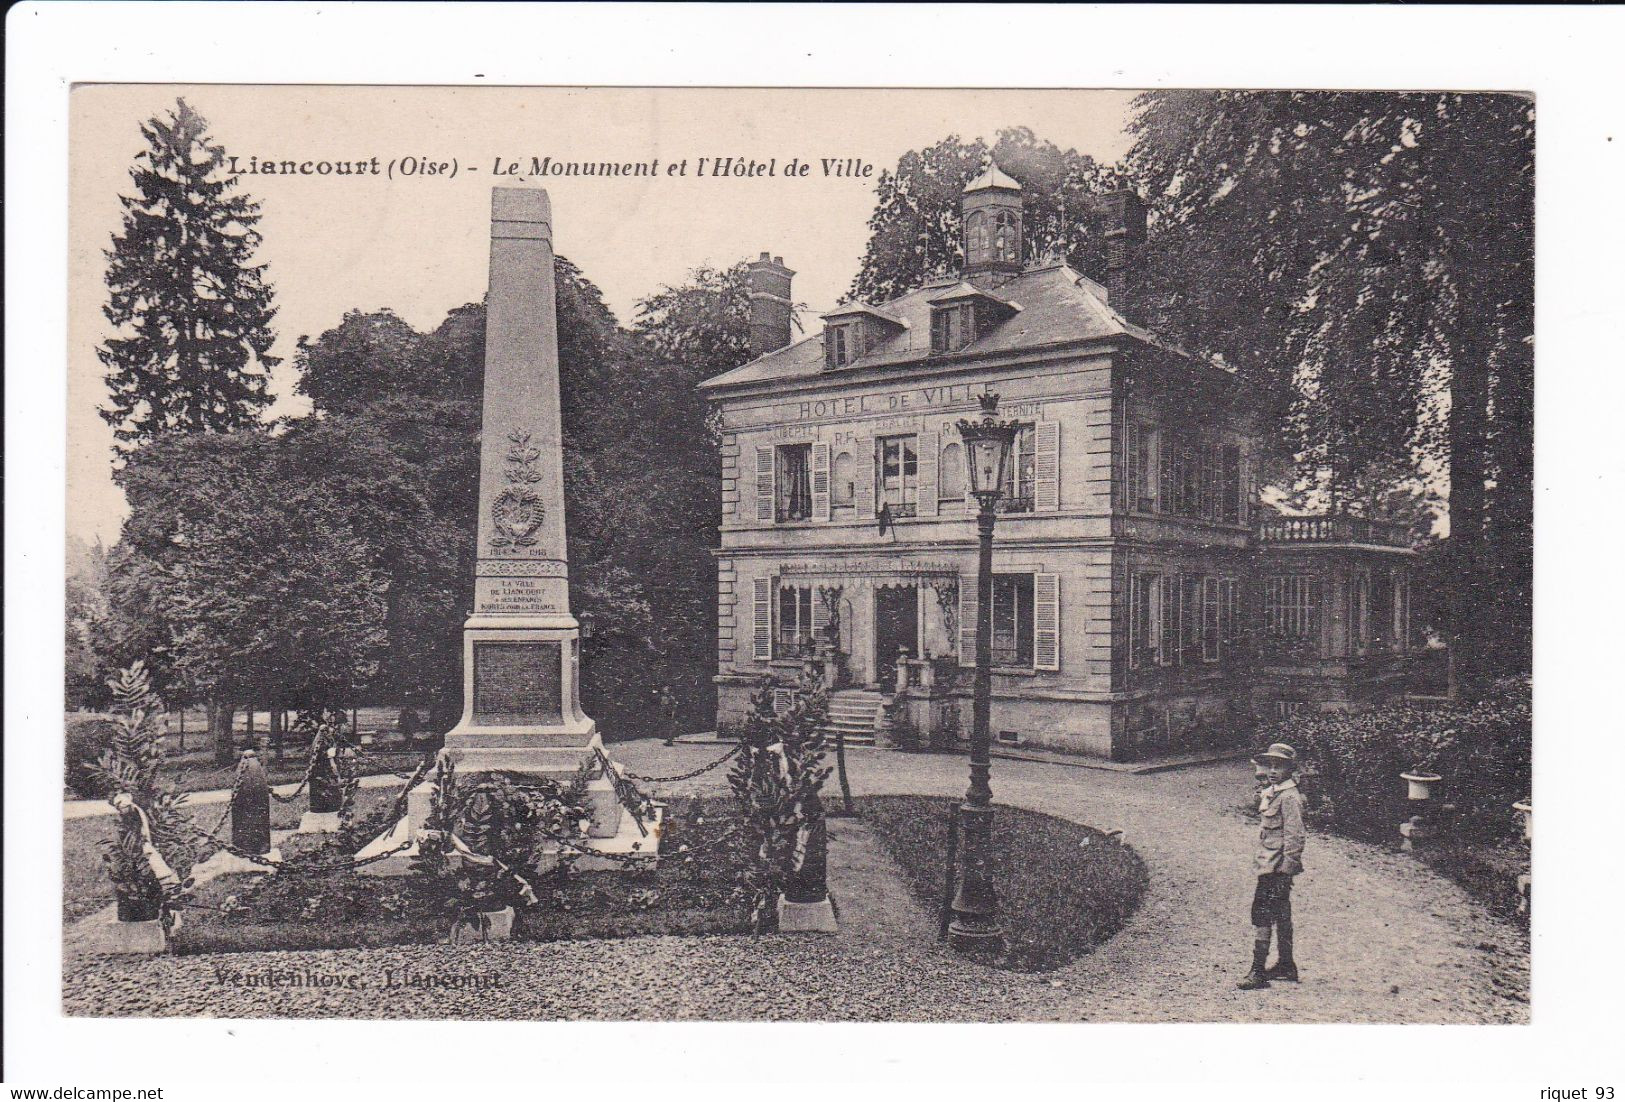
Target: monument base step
{"points": [[225, 863], [629, 848], [807, 918], [319, 822], [144, 938]]}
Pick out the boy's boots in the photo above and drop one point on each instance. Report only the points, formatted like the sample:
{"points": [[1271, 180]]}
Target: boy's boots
{"points": [[1284, 968], [1255, 979]]}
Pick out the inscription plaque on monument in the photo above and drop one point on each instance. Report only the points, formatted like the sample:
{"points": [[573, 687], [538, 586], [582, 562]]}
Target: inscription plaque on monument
{"points": [[517, 683]]}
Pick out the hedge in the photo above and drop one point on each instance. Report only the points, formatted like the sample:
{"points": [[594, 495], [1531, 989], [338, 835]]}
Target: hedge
{"points": [[1351, 762]]}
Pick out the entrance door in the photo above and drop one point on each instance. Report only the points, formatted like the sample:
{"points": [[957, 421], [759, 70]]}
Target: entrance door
{"points": [[897, 626]]}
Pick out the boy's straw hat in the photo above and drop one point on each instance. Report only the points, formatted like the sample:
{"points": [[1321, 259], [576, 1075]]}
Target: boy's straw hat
{"points": [[1281, 752]]}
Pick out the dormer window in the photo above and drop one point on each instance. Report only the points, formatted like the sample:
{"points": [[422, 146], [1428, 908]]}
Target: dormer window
{"points": [[953, 326], [854, 331], [843, 344]]}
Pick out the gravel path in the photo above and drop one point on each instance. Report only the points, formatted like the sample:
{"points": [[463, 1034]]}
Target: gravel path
{"points": [[1380, 938]]}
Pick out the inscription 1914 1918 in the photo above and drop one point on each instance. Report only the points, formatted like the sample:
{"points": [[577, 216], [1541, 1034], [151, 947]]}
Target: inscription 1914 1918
{"points": [[516, 683]]}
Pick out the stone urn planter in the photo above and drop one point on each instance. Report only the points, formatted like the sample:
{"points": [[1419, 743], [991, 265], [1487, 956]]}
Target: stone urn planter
{"points": [[490, 926], [1526, 809], [1421, 784]]}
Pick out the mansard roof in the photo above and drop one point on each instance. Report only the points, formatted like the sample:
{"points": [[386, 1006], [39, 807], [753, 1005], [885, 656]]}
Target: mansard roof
{"points": [[1050, 304]]}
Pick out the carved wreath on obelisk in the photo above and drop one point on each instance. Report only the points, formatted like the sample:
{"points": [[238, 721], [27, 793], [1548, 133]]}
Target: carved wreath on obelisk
{"points": [[518, 512]]}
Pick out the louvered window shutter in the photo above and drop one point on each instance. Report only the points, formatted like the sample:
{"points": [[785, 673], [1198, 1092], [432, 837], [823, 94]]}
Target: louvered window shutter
{"points": [[764, 485], [1210, 619], [967, 620], [820, 481], [1133, 486], [820, 615], [1047, 621], [929, 458], [1047, 466], [1168, 629], [762, 620], [863, 489]]}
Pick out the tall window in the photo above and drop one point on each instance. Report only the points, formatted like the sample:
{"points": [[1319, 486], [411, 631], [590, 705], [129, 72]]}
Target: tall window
{"points": [[952, 327], [976, 236], [1013, 620], [795, 621], [951, 474], [1292, 610], [1006, 236], [1018, 475], [1360, 613], [1191, 618], [1230, 509], [1144, 620], [898, 469], [793, 480], [1142, 485], [1177, 493]]}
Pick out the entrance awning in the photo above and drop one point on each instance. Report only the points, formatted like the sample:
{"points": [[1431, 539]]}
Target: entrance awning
{"points": [[859, 574]]}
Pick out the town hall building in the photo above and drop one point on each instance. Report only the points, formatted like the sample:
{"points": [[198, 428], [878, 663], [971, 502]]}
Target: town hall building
{"points": [[1144, 599]]}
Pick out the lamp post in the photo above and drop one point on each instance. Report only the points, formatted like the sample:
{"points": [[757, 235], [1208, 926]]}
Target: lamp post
{"points": [[975, 908]]}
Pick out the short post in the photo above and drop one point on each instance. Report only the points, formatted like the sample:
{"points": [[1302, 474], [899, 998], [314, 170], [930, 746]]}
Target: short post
{"points": [[325, 791], [804, 906]]}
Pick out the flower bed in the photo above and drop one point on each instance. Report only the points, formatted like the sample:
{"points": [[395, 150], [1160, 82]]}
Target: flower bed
{"points": [[1063, 888], [690, 892]]}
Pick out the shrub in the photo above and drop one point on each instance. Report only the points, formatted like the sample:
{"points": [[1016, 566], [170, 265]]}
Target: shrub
{"points": [[1351, 762], [88, 738], [776, 780]]}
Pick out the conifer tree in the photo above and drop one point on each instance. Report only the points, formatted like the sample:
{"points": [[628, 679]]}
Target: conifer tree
{"points": [[192, 309]]}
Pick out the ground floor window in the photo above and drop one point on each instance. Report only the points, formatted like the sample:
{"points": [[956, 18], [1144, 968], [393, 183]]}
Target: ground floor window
{"points": [[795, 636], [1292, 609], [1013, 620]]}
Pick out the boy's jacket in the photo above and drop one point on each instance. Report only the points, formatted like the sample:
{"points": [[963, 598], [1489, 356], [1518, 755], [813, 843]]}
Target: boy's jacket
{"points": [[1280, 830]]}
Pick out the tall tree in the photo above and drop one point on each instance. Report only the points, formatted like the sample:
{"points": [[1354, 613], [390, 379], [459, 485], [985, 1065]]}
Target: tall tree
{"points": [[192, 309], [915, 232], [1365, 260]]}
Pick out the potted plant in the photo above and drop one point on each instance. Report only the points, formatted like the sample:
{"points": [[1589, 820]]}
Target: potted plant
{"points": [[1423, 774], [1421, 782]]}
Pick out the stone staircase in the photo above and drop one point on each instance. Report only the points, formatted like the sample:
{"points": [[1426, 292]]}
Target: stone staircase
{"points": [[853, 712]]}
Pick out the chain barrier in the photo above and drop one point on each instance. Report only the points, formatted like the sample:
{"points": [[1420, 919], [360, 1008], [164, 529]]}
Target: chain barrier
{"points": [[690, 775], [364, 757], [310, 771], [300, 870]]}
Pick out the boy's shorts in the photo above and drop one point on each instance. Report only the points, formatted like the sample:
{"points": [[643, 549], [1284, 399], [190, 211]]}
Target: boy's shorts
{"points": [[1272, 899]]}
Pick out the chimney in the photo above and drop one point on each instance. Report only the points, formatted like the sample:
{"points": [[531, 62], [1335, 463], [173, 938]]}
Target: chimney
{"points": [[768, 281], [1125, 245]]}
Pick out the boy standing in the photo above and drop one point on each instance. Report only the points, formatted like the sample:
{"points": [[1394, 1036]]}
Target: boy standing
{"points": [[1280, 858]]}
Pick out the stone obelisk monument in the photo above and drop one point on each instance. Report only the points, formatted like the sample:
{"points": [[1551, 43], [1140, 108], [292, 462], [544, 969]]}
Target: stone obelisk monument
{"points": [[521, 647]]}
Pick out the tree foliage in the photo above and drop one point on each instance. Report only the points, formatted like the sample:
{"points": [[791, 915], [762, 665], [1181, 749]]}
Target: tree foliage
{"points": [[1365, 261], [916, 230], [192, 309]]}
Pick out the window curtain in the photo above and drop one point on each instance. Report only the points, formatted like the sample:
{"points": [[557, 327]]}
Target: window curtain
{"points": [[796, 479]]}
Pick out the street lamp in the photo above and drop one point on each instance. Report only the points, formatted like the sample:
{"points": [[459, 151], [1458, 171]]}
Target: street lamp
{"points": [[975, 918]]}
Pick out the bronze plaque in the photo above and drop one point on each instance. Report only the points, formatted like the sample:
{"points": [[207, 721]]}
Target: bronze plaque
{"points": [[517, 684]]}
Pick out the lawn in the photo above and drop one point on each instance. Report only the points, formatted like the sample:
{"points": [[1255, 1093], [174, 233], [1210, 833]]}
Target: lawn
{"points": [[691, 893], [1063, 888], [85, 887]]}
